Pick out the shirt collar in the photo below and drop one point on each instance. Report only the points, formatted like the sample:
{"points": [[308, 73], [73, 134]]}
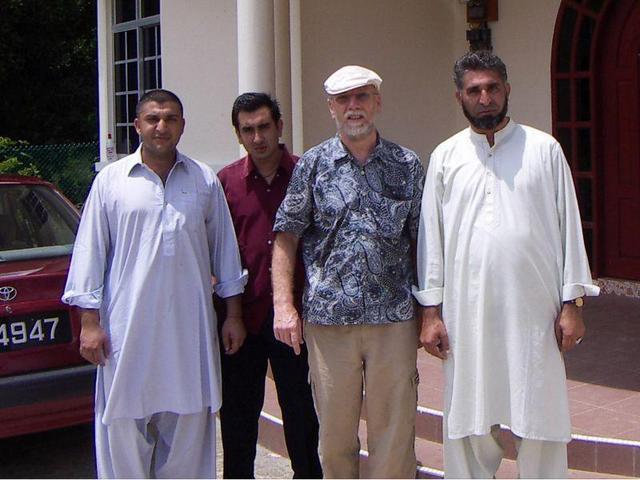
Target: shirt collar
{"points": [[499, 137], [286, 163], [337, 150], [135, 160]]}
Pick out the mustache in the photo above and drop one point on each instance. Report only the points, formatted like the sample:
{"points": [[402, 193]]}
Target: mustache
{"points": [[354, 114], [487, 122]]}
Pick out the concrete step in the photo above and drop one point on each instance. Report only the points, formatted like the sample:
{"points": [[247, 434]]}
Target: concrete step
{"points": [[589, 456], [428, 454], [585, 452]]}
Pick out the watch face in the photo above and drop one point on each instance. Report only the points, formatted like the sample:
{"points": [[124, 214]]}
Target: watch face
{"points": [[579, 302]]}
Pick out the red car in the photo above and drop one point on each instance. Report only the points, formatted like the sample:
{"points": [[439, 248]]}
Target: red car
{"points": [[44, 382]]}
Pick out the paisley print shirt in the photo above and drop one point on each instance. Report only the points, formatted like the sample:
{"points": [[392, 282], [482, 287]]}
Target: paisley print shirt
{"points": [[356, 225]]}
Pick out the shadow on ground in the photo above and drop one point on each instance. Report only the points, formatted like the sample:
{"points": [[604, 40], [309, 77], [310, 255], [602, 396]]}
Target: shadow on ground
{"points": [[610, 352]]}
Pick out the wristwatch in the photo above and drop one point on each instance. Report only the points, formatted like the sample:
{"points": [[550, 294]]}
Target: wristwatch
{"points": [[578, 302]]}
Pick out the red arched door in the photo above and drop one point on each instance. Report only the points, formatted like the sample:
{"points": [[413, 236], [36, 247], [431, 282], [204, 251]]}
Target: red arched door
{"points": [[618, 53]]}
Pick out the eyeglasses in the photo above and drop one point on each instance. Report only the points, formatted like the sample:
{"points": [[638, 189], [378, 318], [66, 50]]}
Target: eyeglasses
{"points": [[361, 97]]}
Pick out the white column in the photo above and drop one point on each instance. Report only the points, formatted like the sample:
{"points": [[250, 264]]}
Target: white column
{"points": [[283, 67], [296, 76], [256, 46], [105, 106]]}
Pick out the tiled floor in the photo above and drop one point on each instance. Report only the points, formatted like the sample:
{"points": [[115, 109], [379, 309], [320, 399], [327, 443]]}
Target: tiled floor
{"points": [[603, 371]]}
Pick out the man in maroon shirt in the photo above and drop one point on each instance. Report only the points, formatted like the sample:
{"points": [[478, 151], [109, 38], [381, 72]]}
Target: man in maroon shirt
{"points": [[255, 186]]}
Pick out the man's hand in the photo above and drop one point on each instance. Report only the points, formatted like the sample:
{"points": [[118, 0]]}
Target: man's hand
{"points": [[233, 334], [287, 326], [94, 342], [433, 333], [569, 327]]}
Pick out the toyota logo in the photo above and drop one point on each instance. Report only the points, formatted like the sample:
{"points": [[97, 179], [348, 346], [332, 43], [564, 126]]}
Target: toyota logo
{"points": [[7, 294]]}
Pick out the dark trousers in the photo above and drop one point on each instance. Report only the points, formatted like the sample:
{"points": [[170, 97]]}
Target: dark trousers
{"points": [[243, 381]]}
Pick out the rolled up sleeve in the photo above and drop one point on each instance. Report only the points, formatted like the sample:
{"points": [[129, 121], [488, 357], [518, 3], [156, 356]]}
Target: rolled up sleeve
{"points": [[430, 250], [225, 256], [85, 281]]}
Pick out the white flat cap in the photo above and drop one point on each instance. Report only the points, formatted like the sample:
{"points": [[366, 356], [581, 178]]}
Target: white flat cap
{"points": [[350, 77]]}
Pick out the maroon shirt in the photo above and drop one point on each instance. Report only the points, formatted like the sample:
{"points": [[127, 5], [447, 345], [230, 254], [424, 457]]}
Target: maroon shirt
{"points": [[253, 204]]}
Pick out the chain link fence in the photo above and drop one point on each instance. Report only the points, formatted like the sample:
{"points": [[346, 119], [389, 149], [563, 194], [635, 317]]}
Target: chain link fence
{"points": [[68, 166]]}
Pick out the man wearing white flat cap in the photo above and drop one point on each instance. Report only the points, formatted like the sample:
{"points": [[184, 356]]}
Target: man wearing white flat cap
{"points": [[354, 200]]}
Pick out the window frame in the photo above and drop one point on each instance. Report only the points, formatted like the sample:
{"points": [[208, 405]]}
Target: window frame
{"points": [[120, 124]]}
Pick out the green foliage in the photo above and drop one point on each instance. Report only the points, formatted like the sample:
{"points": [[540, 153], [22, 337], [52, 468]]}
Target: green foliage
{"points": [[14, 166], [15, 162]]}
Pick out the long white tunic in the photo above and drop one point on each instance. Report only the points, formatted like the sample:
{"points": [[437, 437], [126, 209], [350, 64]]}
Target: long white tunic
{"points": [[500, 246], [143, 256]]}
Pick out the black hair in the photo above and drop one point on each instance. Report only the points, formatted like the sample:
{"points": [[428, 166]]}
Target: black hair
{"points": [[479, 60], [252, 101], [160, 96]]}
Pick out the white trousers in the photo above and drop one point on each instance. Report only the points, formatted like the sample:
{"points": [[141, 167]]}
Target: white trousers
{"points": [[163, 445], [479, 456]]}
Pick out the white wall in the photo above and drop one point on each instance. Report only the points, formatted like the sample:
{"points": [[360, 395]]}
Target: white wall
{"points": [[407, 42], [413, 44], [199, 63], [523, 38]]}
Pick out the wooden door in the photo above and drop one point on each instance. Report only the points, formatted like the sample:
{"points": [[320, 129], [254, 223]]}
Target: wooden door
{"points": [[619, 54]]}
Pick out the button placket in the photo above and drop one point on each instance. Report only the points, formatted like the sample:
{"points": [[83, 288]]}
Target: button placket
{"points": [[168, 230], [489, 187]]}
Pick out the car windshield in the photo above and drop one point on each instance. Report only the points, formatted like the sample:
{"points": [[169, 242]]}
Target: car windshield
{"points": [[34, 222]]}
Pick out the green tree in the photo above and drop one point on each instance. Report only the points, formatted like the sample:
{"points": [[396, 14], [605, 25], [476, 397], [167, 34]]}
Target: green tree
{"points": [[16, 163], [48, 70]]}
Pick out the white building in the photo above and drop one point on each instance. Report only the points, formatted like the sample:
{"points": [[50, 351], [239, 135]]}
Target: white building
{"points": [[573, 66]]}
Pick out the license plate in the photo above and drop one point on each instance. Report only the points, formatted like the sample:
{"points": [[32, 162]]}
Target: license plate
{"points": [[21, 332]]}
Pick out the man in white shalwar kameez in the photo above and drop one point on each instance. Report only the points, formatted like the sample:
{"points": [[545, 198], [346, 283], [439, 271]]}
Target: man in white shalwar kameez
{"points": [[154, 230], [502, 270]]}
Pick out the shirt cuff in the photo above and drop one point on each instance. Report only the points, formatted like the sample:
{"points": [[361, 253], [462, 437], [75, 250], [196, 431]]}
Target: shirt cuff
{"points": [[229, 288], [429, 296], [91, 300], [571, 291]]}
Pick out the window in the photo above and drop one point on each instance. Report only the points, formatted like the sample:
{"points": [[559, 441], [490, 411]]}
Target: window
{"points": [[136, 63], [572, 80], [35, 218]]}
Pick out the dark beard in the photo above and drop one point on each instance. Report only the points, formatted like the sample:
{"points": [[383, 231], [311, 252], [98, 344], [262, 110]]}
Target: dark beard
{"points": [[487, 122]]}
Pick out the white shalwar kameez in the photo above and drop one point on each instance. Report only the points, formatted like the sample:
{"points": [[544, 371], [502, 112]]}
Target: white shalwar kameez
{"points": [[500, 247], [144, 256]]}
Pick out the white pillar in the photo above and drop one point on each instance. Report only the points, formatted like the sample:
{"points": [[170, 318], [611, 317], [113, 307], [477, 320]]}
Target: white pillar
{"points": [[296, 76], [283, 67], [256, 46], [105, 108]]}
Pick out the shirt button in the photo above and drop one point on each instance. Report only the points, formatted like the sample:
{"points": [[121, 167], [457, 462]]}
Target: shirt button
{"points": [[269, 242], [362, 172], [268, 190]]}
